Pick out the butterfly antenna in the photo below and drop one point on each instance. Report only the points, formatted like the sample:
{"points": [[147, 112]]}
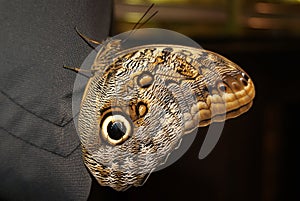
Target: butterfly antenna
{"points": [[87, 40], [147, 11], [78, 70], [139, 24], [147, 20]]}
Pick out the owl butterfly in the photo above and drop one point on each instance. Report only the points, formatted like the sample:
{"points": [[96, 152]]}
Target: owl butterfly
{"points": [[140, 101]]}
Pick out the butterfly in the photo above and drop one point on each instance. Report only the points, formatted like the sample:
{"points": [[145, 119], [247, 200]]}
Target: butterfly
{"points": [[140, 101]]}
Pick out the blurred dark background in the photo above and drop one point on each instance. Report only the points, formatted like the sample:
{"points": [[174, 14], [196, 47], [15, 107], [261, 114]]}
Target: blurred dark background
{"points": [[256, 156]]}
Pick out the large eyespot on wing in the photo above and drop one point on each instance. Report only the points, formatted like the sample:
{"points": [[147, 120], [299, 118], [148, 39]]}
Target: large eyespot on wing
{"points": [[115, 126]]}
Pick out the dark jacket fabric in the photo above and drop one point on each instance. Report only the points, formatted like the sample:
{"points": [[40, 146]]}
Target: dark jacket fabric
{"points": [[40, 153]]}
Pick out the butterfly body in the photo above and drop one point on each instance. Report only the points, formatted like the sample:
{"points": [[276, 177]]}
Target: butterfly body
{"points": [[141, 101]]}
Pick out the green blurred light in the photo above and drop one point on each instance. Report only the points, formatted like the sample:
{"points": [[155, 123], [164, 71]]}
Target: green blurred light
{"points": [[132, 17], [139, 2]]}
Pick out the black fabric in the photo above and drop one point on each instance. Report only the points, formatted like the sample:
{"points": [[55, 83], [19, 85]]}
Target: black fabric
{"points": [[39, 148]]}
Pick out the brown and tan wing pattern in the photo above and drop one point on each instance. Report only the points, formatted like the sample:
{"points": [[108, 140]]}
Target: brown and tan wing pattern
{"points": [[135, 112]]}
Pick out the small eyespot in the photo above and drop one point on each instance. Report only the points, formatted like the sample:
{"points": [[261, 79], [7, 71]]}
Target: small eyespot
{"points": [[222, 87], [141, 109], [145, 79], [244, 81], [245, 76], [116, 128]]}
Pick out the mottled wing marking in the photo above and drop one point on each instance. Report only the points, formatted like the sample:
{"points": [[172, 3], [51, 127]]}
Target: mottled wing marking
{"points": [[150, 96]]}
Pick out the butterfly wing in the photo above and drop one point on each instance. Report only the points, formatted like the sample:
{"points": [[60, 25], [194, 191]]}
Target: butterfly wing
{"points": [[134, 114]]}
